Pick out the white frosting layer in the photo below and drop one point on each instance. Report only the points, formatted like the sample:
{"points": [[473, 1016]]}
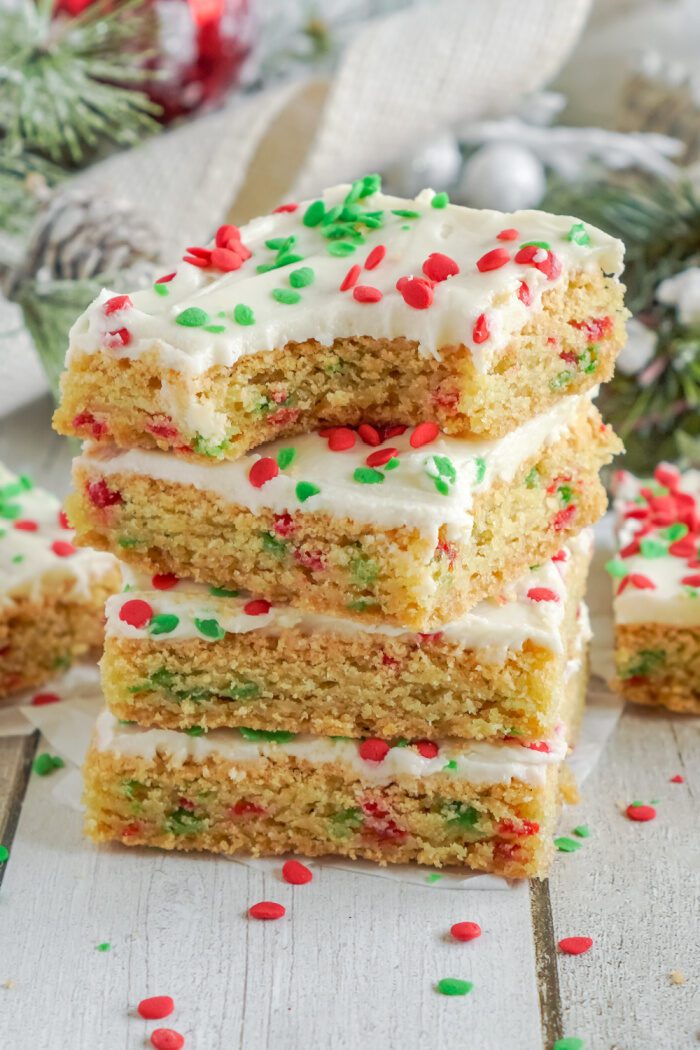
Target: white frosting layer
{"points": [[522, 612], [406, 496], [324, 313], [36, 550], [659, 574], [478, 762]]}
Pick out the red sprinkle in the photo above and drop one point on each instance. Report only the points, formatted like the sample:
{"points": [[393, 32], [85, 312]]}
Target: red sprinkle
{"points": [[465, 931], [493, 260], [542, 594], [423, 434], [426, 748], [167, 1039], [226, 236], [375, 257], [416, 293], [536, 745], [677, 779], [373, 750], [45, 698], [25, 525], [86, 420], [120, 337], [266, 910], [637, 580], [62, 548], [226, 260], [439, 267], [286, 207], [296, 873], [524, 294], [167, 278], [560, 556], [284, 524], [692, 581], [156, 1007], [63, 519], [101, 495], [365, 293], [137, 613], [116, 303], [381, 456], [369, 434], [351, 277], [257, 607], [640, 813], [164, 581], [481, 330], [394, 430], [575, 945], [562, 519], [262, 471], [510, 234], [340, 439], [244, 808]]}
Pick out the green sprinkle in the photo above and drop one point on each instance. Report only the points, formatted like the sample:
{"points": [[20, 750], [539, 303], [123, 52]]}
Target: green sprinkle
{"points": [[314, 213], [571, 1042], [532, 480], [273, 545], [286, 260], [210, 628], [433, 878], [163, 623], [46, 763], [536, 244], [460, 815], [651, 548], [336, 212], [340, 248], [103, 947], [566, 845], [286, 296], [480, 469], [440, 200], [560, 380], [4, 854], [361, 604], [442, 486], [243, 314], [345, 821], [582, 830], [445, 467], [275, 736], [278, 244], [18, 559], [450, 766], [161, 289], [368, 476], [223, 592], [302, 278], [453, 986], [126, 543], [182, 822], [192, 317], [370, 184], [678, 531], [196, 731], [214, 328], [285, 457], [405, 213], [578, 234], [566, 494], [392, 464], [305, 490], [10, 511], [616, 569], [645, 662]]}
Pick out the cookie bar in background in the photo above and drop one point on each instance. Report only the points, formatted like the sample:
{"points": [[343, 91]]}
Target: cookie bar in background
{"points": [[52, 594], [656, 575]]}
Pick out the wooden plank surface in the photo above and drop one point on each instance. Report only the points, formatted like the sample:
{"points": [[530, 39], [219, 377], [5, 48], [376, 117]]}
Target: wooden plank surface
{"points": [[354, 962]]}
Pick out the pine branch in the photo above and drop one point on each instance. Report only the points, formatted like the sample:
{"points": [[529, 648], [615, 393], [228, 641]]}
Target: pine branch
{"points": [[67, 85]]}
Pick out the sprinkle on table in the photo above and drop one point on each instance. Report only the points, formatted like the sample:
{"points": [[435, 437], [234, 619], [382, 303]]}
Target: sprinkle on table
{"points": [[454, 986], [167, 1039], [637, 811], [156, 1007], [40, 699], [582, 831], [465, 931], [103, 946], [267, 910], [677, 779], [575, 945], [45, 764], [566, 845], [570, 1042], [4, 854], [296, 873]]}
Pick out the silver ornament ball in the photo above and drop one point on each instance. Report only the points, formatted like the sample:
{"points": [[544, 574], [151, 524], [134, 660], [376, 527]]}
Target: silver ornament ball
{"points": [[436, 166], [502, 176]]}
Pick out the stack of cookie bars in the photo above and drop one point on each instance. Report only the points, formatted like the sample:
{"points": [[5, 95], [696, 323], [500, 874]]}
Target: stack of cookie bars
{"points": [[351, 453]]}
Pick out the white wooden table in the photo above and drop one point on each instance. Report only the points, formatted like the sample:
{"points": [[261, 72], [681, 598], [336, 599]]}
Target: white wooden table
{"points": [[354, 963]]}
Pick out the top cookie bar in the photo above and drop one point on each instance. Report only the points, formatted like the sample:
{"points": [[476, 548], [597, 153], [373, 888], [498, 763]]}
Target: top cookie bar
{"points": [[351, 307]]}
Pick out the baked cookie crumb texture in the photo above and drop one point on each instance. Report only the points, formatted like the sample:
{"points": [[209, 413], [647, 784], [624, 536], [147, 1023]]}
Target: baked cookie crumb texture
{"points": [[656, 575], [355, 306], [52, 593]]}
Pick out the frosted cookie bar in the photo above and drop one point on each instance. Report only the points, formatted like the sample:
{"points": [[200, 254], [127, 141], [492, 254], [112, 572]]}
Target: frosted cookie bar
{"points": [[657, 588], [408, 527], [180, 655], [51, 593], [353, 306], [487, 806]]}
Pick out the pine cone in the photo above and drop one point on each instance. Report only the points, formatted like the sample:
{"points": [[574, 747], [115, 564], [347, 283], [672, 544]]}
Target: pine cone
{"points": [[80, 236]]}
